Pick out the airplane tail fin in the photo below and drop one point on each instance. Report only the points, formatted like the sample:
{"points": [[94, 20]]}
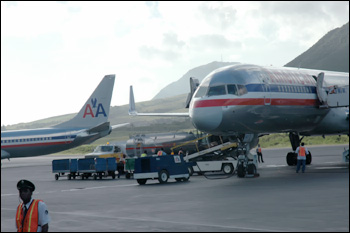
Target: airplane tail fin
{"points": [[132, 108], [96, 109]]}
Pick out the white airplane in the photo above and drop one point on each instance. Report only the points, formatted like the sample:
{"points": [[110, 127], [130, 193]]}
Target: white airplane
{"points": [[247, 101], [89, 124]]}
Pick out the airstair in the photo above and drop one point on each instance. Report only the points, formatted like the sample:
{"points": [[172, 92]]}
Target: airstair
{"points": [[333, 96]]}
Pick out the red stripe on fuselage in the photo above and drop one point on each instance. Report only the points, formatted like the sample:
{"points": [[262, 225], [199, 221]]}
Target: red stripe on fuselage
{"points": [[253, 101]]}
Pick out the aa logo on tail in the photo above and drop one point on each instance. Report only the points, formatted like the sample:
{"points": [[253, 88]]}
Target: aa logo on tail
{"points": [[99, 110]]}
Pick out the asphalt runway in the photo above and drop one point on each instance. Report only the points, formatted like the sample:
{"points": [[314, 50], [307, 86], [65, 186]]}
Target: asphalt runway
{"points": [[279, 200]]}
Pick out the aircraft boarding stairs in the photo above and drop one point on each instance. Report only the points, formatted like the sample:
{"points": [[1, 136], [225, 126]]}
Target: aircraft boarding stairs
{"points": [[220, 147], [331, 96]]}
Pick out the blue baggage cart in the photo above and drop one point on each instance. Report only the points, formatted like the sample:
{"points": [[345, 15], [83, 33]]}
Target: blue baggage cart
{"points": [[86, 167], [65, 166], [161, 168], [105, 167]]}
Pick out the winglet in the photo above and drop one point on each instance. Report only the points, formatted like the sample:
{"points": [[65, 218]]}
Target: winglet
{"points": [[132, 108]]}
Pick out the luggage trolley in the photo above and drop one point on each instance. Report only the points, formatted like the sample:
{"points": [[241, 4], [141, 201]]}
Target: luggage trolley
{"points": [[65, 166]]}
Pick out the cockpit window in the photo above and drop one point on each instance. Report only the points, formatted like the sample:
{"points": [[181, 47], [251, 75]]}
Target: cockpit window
{"points": [[232, 89], [202, 91], [242, 90], [217, 90]]}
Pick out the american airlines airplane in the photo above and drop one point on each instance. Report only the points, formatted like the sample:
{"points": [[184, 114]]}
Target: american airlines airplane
{"points": [[89, 124], [247, 101]]}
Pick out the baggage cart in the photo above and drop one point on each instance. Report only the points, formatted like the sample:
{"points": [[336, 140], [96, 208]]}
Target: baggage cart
{"points": [[86, 167], [65, 166], [129, 167], [105, 167]]}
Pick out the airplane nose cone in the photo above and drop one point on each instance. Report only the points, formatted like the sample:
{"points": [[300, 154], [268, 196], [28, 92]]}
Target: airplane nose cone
{"points": [[206, 119]]}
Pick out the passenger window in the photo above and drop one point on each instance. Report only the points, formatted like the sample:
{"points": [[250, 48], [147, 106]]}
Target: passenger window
{"points": [[217, 90], [201, 91], [242, 90], [232, 89]]}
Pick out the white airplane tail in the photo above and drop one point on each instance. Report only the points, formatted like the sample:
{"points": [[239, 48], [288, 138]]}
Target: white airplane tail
{"points": [[96, 109]]}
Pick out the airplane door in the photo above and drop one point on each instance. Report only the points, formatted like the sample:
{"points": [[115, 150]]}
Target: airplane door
{"points": [[266, 88], [267, 94]]}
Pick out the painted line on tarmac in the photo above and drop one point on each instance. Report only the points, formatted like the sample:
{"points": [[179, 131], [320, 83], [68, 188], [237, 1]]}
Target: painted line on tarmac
{"points": [[74, 189], [81, 214], [98, 187]]}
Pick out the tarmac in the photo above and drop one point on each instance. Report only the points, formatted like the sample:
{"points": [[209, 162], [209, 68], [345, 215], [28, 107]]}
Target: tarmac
{"points": [[278, 200]]}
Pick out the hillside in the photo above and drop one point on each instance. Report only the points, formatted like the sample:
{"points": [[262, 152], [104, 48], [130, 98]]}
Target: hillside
{"points": [[331, 52]]}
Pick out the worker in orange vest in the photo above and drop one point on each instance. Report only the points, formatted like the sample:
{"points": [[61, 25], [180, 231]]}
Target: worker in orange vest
{"points": [[258, 151], [32, 215], [161, 152], [302, 152]]}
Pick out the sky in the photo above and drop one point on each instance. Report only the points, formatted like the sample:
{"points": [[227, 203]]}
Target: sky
{"points": [[54, 54]]}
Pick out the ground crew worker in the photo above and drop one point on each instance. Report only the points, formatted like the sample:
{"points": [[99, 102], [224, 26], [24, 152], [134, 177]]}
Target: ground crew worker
{"points": [[32, 214], [120, 165], [302, 152], [161, 152], [258, 151], [144, 154]]}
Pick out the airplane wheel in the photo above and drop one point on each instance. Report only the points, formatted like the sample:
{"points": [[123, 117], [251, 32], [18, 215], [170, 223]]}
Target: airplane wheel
{"points": [[163, 176], [240, 171], [308, 158], [69, 176], [95, 176], [227, 168], [56, 176], [251, 169], [291, 159]]}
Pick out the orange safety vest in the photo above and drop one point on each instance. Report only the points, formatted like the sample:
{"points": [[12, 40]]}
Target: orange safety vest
{"points": [[302, 151], [31, 220], [160, 153], [259, 149]]}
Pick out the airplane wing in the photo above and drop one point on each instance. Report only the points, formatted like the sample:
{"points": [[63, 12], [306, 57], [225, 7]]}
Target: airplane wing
{"points": [[133, 112], [119, 125]]}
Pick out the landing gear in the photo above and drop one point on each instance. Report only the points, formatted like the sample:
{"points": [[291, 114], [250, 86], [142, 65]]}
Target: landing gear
{"points": [[291, 156], [245, 165]]}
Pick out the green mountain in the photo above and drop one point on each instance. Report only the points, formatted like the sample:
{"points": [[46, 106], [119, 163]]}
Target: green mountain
{"points": [[331, 52]]}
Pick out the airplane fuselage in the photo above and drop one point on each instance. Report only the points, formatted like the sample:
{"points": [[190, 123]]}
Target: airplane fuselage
{"points": [[25, 143], [254, 99]]}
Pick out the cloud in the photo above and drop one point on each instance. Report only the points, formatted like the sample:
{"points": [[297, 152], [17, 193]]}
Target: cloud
{"points": [[213, 41]]}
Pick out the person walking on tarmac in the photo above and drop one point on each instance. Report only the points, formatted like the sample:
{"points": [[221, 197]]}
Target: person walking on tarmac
{"points": [[258, 151], [302, 152], [32, 214], [120, 165], [144, 154]]}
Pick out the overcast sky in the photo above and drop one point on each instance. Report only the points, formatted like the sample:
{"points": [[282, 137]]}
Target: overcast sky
{"points": [[54, 54]]}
